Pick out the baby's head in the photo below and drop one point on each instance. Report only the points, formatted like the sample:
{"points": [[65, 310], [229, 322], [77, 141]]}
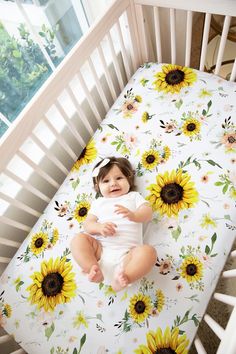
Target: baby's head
{"points": [[117, 170]]}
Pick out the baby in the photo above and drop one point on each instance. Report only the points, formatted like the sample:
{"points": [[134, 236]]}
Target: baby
{"points": [[112, 239]]}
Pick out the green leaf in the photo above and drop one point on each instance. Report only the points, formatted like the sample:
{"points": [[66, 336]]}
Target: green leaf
{"points": [[49, 331], [19, 285], [112, 126], [209, 104], [52, 351], [176, 233], [75, 351], [219, 183], [16, 53], [179, 103], [227, 217], [207, 250], [225, 188], [42, 34], [213, 163], [204, 112], [213, 238]]}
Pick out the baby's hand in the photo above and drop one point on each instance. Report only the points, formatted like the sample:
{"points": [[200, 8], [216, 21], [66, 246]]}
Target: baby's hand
{"points": [[108, 229], [125, 212]]}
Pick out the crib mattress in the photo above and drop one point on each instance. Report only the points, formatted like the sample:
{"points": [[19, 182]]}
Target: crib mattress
{"points": [[176, 126]]}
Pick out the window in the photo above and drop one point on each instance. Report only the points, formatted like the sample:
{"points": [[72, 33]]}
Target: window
{"points": [[34, 37]]}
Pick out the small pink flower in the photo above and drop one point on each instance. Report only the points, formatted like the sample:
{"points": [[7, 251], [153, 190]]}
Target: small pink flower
{"points": [[100, 303], [165, 267], [130, 140], [226, 206], [179, 287], [204, 179], [229, 140]]}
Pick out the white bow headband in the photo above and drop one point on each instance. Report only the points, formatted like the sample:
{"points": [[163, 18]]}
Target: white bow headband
{"points": [[96, 171]]}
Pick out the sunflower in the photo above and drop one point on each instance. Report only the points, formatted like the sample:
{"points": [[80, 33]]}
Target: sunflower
{"points": [[191, 269], [150, 159], [168, 342], [88, 154], [173, 78], [54, 284], [140, 307], [81, 211], [191, 127], [172, 192], [55, 237], [7, 310], [160, 300], [38, 243]]}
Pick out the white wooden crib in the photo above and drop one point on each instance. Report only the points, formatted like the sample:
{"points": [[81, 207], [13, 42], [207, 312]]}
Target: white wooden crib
{"points": [[36, 157]]}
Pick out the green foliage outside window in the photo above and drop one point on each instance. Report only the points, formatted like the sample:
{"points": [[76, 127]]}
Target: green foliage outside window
{"points": [[23, 68]]}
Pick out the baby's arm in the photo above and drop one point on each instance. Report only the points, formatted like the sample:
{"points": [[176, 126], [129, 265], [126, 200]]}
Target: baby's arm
{"points": [[93, 227], [142, 214]]}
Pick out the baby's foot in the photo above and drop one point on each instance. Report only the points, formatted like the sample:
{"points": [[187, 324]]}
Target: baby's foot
{"points": [[120, 281], [95, 274]]}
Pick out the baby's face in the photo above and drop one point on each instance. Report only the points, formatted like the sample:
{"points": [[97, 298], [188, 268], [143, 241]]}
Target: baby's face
{"points": [[114, 184]]}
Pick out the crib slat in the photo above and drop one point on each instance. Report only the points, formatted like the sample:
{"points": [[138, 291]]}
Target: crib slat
{"points": [[89, 97], [83, 117], [49, 154], [188, 38], [172, 36], [60, 139], [222, 44], [217, 329], [205, 41], [98, 85], [27, 186], [37, 169], [233, 74], [115, 61], [107, 73], [157, 34], [229, 273], [7, 242], [19, 351], [5, 260], [226, 299], [142, 33], [134, 37], [123, 51], [199, 346], [16, 224], [19, 205], [6, 338]]}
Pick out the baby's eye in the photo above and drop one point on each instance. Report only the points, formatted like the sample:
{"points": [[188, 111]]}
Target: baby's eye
{"points": [[105, 181], [120, 177]]}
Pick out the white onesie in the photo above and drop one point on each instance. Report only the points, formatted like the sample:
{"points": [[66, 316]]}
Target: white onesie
{"points": [[128, 233]]}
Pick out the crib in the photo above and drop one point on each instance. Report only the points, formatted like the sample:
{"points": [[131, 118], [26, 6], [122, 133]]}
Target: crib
{"points": [[44, 142]]}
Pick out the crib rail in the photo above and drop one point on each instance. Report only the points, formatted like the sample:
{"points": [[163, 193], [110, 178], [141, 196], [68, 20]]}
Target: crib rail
{"points": [[41, 146], [50, 133]]}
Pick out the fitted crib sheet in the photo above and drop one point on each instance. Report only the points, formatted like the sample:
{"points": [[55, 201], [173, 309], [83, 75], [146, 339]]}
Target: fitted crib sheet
{"points": [[176, 126]]}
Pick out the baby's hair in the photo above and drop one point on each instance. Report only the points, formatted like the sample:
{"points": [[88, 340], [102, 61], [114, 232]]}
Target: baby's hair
{"points": [[123, 164]]}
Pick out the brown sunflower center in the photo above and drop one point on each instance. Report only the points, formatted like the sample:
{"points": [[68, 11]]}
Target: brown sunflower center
{"points": [[171, 193], [52, 284], [231, 139], [150, 159], [130, 106], [83, 152], [140, 307], [39, 242], [191, 269], [82, 211], [191, 127], [174, 77], [165, 351]]}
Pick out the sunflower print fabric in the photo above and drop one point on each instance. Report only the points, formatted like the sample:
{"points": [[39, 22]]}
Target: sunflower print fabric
{"points": [[177, 127]]}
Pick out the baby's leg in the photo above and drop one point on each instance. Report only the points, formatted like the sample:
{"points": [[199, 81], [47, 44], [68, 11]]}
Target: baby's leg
{"points": [[86, 250], [138, 262]]}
